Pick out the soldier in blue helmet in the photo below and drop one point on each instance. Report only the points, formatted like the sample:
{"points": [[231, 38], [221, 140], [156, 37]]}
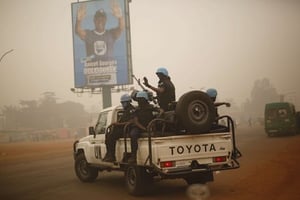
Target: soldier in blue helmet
{"points": [[212, 93], [165, 90], [117, 128], [143, 115]]}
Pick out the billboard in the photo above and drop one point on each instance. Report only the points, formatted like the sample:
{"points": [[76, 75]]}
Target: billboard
{"points": [[101, 43]]}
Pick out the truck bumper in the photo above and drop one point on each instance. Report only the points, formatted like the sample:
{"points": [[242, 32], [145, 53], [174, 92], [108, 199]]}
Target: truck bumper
{"points": [[74, 148], [181, 172]]}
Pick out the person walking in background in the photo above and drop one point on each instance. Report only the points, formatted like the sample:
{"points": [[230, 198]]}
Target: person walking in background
{"points": [[165, 90], [250, 121]]}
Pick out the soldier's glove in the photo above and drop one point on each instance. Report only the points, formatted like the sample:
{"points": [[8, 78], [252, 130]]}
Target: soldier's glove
{"points": [[146, 83]]}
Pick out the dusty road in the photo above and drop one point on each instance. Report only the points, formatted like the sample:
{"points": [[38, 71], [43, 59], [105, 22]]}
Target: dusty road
{"points": [[44, 170]]}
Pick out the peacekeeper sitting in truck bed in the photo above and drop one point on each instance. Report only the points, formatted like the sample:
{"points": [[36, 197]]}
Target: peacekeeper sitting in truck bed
{"points": [[138, 118], [116, 129]]}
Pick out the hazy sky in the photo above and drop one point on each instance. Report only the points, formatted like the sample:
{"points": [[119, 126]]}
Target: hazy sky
{"points": [[225, 44]]}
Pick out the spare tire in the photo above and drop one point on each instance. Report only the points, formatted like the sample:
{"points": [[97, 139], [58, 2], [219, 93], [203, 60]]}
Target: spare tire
{"points": [[195, 112]]}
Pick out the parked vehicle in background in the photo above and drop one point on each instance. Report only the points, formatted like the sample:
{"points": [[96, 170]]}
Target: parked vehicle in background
{"points": [[281, 118]]}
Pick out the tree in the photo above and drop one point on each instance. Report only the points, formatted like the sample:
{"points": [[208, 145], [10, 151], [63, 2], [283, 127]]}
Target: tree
{"points": [[73, 114], [11, 117], [49, 111], [262, 92], [45, 114], [28, 113]]}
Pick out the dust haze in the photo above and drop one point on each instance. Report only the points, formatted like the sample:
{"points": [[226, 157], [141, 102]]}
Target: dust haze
{"points": [[227, 45]]}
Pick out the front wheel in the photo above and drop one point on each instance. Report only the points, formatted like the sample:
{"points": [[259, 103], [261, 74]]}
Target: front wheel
{"points": [[138, 180], [83, 171]]}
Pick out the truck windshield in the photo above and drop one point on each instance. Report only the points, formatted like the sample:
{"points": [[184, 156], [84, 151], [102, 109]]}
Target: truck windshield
{"points": [[101, 123]]}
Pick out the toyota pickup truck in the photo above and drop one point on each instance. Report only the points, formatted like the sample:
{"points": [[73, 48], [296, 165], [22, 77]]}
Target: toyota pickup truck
{"points": [[184, 143]]}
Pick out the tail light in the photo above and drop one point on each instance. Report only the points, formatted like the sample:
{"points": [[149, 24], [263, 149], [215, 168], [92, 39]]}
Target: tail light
{"points": [[166, 164], [220, 159]]}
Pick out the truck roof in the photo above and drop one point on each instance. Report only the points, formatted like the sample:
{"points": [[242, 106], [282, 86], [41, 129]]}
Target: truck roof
{"points": [[112, 108], [117, 107]]}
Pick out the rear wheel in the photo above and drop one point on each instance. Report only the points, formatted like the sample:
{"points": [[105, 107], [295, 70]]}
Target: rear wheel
{"points": [[195, 111], [199, 178], [138, 180], [193, 180], [83, 171]]}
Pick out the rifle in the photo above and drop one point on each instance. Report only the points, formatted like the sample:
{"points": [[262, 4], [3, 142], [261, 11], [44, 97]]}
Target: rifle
{"points": [[150, 94], [139, 83]]}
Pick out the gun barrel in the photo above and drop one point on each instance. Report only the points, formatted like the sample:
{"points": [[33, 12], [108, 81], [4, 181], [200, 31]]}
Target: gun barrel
{"points": [[138, 81]]}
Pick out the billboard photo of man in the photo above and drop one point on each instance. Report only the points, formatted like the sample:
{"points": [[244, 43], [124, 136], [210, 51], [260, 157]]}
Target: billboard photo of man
{"points": [[100, 53]]}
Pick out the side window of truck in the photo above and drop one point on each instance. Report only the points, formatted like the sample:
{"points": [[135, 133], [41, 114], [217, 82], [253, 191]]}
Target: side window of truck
{"points": [[282, 113], [101, 123]]}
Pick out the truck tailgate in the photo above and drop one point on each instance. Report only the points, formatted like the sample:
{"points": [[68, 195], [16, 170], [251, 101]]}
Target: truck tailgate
{"points": [[184, 149]]}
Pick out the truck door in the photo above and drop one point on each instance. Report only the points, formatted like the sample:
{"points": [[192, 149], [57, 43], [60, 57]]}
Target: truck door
{"points": [[98, 143]]}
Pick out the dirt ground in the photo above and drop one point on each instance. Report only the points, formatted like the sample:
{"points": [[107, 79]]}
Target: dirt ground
{"points": [[269, 166], [276, 177]]}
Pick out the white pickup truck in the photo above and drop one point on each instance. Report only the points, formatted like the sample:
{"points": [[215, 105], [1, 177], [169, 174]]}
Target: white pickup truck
{"points": [[186, 143]]}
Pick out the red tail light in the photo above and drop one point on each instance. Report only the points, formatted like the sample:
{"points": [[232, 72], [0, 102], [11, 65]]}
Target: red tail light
{"points": [[167, 164], [220, 159]]}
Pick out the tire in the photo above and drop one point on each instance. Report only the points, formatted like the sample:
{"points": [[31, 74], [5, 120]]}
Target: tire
{"points": [[195, 112], [270, 134], [200, 178], [138, 180], [84, 172], [194, 180]]}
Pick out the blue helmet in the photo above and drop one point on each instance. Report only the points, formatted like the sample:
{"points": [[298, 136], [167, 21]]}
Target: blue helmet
{"points": [[142, 94], [212, 92], [125, 98], [163, 71]]}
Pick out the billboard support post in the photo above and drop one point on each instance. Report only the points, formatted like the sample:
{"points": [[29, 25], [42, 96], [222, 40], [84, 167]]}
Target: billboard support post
{"points": [[106, 96]]}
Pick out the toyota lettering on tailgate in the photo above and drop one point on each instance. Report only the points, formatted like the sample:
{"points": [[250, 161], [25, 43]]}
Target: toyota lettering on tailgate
{"points": [[192, 148]]}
